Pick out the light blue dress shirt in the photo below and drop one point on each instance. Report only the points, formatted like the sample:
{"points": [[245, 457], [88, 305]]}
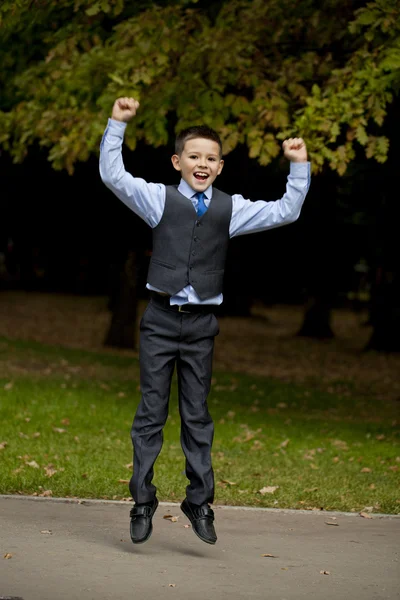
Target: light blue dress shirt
{"points": [[147, 200]]}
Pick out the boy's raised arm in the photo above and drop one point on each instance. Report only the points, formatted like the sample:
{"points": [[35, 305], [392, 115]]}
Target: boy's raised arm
{"points": [[252, 217], [147, 200]]}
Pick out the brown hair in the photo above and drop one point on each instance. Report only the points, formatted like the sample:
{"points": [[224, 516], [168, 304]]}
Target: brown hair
{"points": [[197, 131]]}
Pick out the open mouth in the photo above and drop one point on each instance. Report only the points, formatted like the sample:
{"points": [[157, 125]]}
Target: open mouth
{"points": [[200, 176]]}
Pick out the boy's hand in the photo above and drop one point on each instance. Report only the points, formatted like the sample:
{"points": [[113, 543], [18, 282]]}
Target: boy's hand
{"points": [[124, 109], [295, 150]]}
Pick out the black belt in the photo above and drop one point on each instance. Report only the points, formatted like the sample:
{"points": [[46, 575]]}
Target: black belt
{"points": [[164, 301]]}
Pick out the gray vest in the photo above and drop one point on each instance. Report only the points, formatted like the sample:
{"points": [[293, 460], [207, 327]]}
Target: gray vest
{"points": [[188, 249]]}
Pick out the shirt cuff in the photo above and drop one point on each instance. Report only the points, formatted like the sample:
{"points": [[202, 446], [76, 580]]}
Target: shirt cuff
{"points": [[116, 127], [300, 169]]}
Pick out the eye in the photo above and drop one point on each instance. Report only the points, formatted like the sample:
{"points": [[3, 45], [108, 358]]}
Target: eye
{"points": [[193, 156], [212, 159]]}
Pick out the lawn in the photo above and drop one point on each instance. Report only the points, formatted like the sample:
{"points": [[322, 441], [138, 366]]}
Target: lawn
{"points": [[65, 418]]}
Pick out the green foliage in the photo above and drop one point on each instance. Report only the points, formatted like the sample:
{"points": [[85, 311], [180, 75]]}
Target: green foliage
{"points": [[258, 71]]}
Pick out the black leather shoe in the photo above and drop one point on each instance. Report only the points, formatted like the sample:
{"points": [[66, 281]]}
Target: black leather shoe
{"points": [[141, 525], [202, 520]]}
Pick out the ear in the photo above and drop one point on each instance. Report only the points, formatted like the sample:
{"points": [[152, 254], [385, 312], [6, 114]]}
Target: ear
{"points": [[176, 162], [221, 165]]}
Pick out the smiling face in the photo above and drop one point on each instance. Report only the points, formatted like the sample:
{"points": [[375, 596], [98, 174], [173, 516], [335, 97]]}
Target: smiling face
{"points": [[199, 163]]}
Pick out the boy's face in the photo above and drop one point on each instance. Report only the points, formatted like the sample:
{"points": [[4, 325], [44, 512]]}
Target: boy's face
{"points": [[199, 163]]}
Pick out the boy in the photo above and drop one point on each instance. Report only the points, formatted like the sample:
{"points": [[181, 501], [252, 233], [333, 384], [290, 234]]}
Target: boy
{"points": [[192, 224]]}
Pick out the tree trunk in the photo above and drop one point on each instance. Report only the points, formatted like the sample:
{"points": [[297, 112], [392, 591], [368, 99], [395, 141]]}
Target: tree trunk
{"points": [[123, 304], [317, 317], [385, 312]]}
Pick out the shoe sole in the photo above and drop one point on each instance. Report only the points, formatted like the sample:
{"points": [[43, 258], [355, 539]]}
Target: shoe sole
{"points": [[193, 527], [150, 530], [144, 539]]}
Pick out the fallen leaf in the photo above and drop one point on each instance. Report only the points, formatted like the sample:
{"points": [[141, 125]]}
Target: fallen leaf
{"points": [[65, 421], [32, 464], [365, 515], [325, 572], [269, 489], [366, 470], [50, 470], [123, 480], [58, 430], [46, 494], [284, 444], [129, 466], [8, 385], [47, 531], [3, 445], [36, 434], [327, 523], [172, 585], [171, 518], [268, 555], [187, 526], [228, 482], [8, 555]]}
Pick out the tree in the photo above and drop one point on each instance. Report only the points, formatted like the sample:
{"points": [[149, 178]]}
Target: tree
{"points": [[255, 70]]}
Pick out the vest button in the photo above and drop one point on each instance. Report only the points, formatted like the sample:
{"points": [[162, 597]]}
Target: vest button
{"points": [[191, 267], [195, 239], [193, 252]]}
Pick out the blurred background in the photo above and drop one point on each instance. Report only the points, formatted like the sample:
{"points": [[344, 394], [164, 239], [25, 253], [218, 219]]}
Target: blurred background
{"points": [[257, 71]]}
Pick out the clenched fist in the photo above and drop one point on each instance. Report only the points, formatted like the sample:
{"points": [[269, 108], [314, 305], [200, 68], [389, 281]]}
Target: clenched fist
{"points": [[295, 150], [124, 109]]}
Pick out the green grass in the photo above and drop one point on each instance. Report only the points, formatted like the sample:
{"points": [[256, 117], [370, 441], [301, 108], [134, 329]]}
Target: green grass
{"points": [[69, 412]]}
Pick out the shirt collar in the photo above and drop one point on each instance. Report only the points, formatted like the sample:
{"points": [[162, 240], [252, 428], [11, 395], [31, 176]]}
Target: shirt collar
{"points": [[185, 189]]}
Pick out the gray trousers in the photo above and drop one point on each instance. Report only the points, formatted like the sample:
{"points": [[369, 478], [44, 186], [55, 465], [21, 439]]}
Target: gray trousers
{"points": [[186, 340]]}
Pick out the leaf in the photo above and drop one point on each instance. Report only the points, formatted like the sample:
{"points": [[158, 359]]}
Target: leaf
{"points": [[3, 445], [269, 489], [59, 430], [366, 470], [50, 470], [32, 464], [8, 385], [123, 480], [47, 531], [171, 518], [269, 556], [172, 585], [328, 523], [365, 515], [325, 572], [8, 555], [46, 494]]}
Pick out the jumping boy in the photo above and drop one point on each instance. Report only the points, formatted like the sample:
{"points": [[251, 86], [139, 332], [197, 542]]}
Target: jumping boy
{"points": [[192, 224]]}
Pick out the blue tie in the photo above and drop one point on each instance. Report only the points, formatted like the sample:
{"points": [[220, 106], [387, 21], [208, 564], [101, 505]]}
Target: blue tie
{"points": [[201, 207]]}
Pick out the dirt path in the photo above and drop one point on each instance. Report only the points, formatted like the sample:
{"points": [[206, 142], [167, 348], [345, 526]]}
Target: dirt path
{"points": [[264, 344]]}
